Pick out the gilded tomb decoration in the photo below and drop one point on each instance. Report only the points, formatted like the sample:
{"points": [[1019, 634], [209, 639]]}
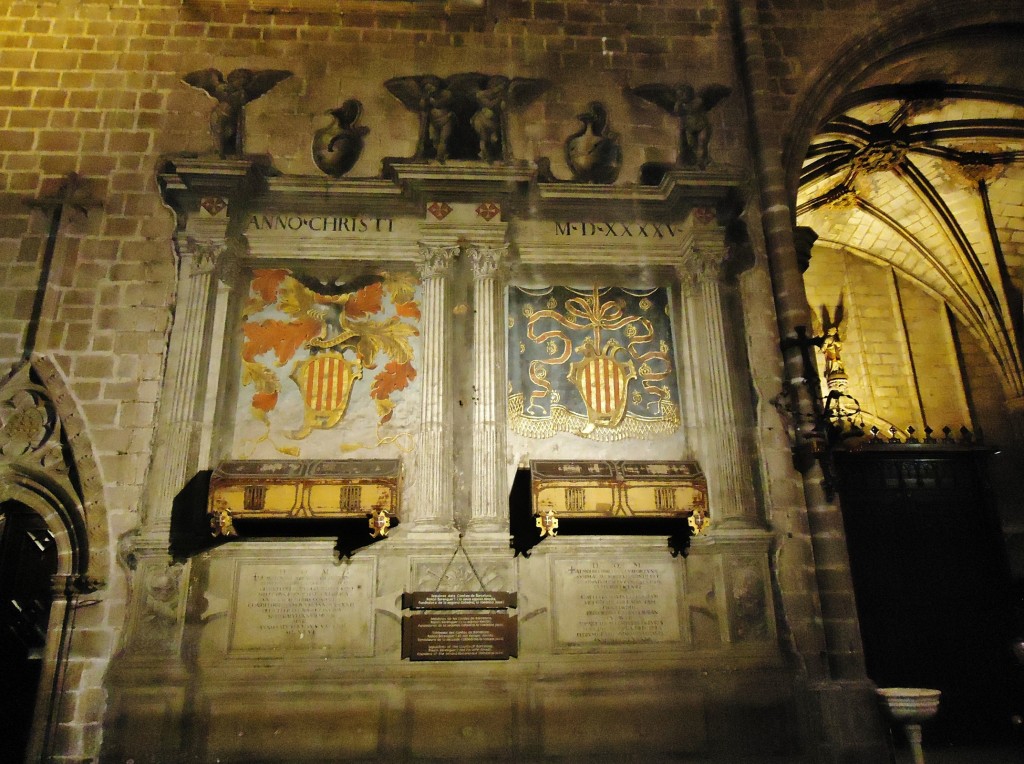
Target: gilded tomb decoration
{"points": [[363, 489]]}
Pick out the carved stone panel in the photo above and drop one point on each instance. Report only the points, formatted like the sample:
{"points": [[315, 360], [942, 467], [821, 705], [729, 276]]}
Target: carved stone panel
{"points": [[615, 601], [302, 607]]}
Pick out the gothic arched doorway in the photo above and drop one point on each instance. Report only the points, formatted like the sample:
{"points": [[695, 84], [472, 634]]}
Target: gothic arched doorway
{"points": [[28, 562]]}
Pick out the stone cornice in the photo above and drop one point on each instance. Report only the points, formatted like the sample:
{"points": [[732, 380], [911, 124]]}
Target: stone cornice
{"points": [[253, 185]]}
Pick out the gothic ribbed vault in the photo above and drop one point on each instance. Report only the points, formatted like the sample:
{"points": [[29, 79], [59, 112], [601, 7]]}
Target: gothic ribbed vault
{"points": [[927, 178]]}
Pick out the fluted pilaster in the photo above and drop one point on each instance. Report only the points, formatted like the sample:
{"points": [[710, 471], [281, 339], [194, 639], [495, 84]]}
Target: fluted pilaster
{"points": [[489, 490], [432, 509], [180, 424], [729, 481]]}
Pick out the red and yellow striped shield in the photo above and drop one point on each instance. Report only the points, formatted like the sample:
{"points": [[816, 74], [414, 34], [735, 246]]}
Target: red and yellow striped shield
{"points": [[602, 382], [325, 381]]}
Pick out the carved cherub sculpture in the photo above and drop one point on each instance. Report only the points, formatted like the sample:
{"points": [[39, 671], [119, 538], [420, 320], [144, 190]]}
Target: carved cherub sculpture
{"points": [[464, 116], [232, 94], [428, 97], [691, 107]]}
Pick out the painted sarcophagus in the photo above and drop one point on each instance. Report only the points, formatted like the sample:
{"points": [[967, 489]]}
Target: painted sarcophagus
{"points": [[343, 489], [618, 489]]}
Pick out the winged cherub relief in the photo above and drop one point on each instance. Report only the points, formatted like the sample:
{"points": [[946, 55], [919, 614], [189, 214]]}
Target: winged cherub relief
{"points": [[232, 94], [464, 116], [691, 107]]}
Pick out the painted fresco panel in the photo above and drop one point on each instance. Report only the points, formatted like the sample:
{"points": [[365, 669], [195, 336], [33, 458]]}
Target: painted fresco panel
{"points": [[596, 362], [327, 368]]}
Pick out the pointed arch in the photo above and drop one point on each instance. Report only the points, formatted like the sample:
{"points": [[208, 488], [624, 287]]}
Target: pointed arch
{"points": [[46, 465]]}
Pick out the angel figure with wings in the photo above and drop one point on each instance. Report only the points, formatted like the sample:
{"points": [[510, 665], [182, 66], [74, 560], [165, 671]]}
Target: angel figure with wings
{"points": [[826, 331], [232, 94], [691, 107], [464, 116]]}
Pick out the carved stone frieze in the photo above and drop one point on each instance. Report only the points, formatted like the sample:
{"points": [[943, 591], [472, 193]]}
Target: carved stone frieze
{"points": [[158, 606], [461, 574], [749, 612]]}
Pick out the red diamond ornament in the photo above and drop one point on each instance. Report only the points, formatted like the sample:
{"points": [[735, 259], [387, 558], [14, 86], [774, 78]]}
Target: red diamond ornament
{"points": [[213, 205], [439, 210], [488, 210]]}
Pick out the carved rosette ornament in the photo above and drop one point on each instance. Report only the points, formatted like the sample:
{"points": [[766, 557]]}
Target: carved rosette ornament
{"points": [[29, 427], [881, 156]]}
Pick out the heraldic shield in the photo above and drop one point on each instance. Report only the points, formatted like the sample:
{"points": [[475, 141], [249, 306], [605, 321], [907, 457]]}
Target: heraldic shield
{"points": [[325, 380], [603, 382]]}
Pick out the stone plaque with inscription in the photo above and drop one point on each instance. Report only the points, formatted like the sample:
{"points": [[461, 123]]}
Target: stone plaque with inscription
{"points": [[455, 636], [611, 602], [458, 600], [303, 607]]}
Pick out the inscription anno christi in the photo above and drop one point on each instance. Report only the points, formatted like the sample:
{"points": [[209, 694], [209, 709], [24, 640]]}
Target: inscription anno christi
{"points": [[304, 607], [322, 224], [615, 602]]}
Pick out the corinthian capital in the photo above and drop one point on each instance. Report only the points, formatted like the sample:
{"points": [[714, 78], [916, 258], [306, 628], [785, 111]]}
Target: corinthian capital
{"points": [[435, 259], [700, 266], [487, 262], [202, 254]]}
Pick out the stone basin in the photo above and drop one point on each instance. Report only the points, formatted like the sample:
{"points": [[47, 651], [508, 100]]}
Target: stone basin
{"points": [[910, 704]]}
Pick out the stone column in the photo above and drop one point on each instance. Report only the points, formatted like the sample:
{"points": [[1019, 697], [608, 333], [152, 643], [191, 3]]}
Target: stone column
{"points": [[432, 508], [731, 500], [489, 489], [180, 423]]}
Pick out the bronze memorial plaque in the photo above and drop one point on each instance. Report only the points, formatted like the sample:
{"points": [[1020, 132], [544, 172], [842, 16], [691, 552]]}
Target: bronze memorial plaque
{"points": [[460, 636], [458, 600]]}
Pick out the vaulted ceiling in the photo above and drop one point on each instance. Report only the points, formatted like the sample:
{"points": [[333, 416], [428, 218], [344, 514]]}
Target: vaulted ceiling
{"points": [[928, 177]]}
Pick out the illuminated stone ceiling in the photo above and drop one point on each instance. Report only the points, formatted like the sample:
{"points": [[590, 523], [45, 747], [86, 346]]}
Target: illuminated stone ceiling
{"points": [[929, 178]]}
